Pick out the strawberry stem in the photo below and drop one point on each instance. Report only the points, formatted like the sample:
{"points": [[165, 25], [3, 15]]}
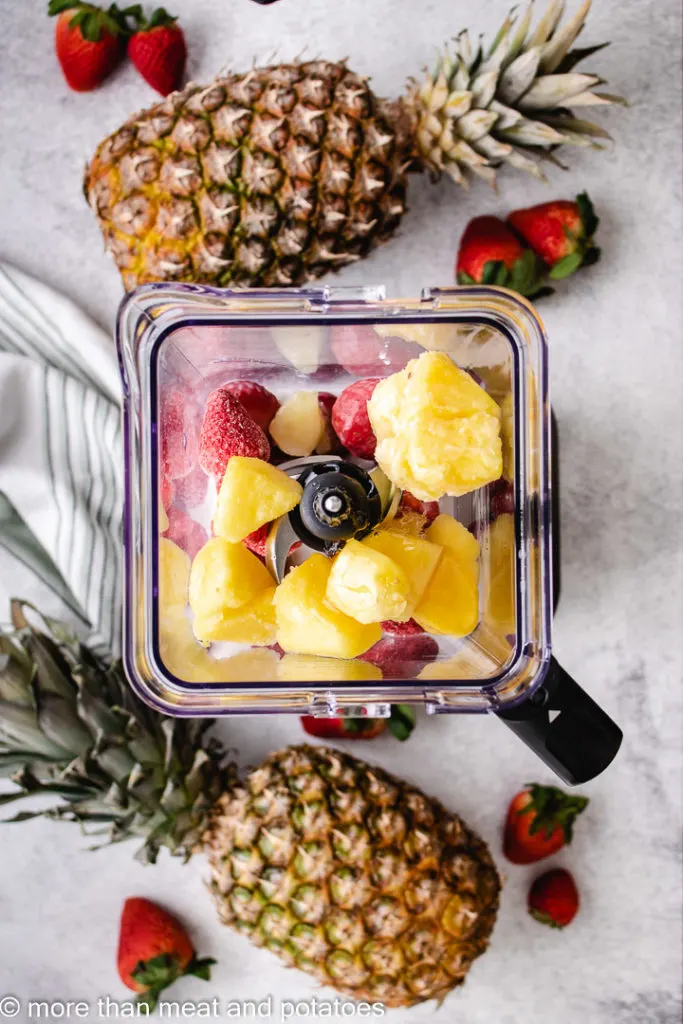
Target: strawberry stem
{"points": [[552, 808]]}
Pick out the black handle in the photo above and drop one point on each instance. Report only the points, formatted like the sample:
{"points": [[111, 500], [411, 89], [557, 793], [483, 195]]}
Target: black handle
{"points": [[566, 728]]}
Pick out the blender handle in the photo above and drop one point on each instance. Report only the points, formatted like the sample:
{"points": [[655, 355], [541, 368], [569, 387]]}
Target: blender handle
{"points": [[579, 741]]}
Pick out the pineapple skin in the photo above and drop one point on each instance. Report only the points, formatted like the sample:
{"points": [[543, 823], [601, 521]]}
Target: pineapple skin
{"points": [[273, 178], [353, 876]]}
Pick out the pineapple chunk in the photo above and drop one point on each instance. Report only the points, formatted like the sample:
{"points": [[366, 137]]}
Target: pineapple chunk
{"points": [[417, 557], [367, 585], [450, 605], [437, 431], [307, 624], [508, 434], [456, 538], [443, 337], [174, 574], [246, 667], [301, 345], [252, 623], [225, 576], [298, 425], [305, 668], [499, 606], [252, 493]]}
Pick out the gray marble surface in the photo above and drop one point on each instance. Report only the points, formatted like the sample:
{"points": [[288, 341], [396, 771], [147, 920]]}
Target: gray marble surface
{"points": [[616, 367]]}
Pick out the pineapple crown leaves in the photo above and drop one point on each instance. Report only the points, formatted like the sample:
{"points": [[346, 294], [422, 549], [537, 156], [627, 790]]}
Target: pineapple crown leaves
{"points": [[71, 727], [92, 20], [552, 808], [479, 109]]}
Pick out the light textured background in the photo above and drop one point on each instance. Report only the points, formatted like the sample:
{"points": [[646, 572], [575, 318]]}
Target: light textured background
{"points": [[615, 337]]}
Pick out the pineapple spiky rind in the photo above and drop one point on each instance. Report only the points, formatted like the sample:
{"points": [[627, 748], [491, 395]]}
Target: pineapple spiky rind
{"points": [[342, 870], [285, 173]]}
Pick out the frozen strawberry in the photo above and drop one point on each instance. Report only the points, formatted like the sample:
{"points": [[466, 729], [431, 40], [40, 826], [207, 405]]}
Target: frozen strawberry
{"points": [[177, 434], [409, 628], [361, 351], [409, 503], [228, 430], [190, 490], [260, 403], [167, 492], [350, 418], [329, 443], [184, 531], [256, 541], [501, 499], [402, 656]]}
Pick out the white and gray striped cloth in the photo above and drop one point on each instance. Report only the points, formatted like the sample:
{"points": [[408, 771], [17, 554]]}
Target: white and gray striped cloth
{"points": [[61, 477]]}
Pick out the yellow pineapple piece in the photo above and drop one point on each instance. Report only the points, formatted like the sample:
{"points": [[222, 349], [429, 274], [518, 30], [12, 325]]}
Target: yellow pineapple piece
{"points": [[437, 431], [367, 585], [508, 435], [180, 652], [225, 576], [417, 557], [298, 424], [174, 575], [305, 668], [251, 623], [252, 493], [163, 517], [258, 666], [308, 624], [442, 337], [499, 606], [450, 605], [456, 538]]}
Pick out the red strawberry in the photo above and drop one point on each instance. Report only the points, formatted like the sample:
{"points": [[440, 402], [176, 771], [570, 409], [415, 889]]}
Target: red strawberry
{"points": [[158, 51], [409, 503], [491, 254], [402, 656], [185, 531], [401, 723], [167, 491], [256, 541], [561, 233], [361, 351], [89, 41], [260, 403], [228, 430], [554, 899], [191, 490], [154, 950], [409, 628], [539, 822], [178, 440], [329, 443], [351, 421], [501, 498]]}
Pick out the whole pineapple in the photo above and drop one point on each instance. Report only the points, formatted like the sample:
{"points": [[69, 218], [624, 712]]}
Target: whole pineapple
{"points": [[340, 869], [282, 174]]}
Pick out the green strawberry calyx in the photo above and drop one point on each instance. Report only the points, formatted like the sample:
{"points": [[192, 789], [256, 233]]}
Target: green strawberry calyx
{"points": [[92, 20], [584, 250], [161, 971], [524, 277], [160, 18], [551, 809]]}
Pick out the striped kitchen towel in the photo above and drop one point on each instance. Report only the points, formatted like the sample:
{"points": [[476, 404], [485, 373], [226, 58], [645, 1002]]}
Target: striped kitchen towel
{"points": [[61, 479]]}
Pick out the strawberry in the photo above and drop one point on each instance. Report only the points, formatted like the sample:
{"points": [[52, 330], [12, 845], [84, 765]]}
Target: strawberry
{"points": [[158, 51], [362, 352], [260, 403], [185, 531], [554, 899], [409, 628], [501, 498], [409, 503], [402, 656], [177, 435], [256, 541], [154, 950], [561, 233], [491, 254], [350, 418], [190, 490], [539, 822], [228, 430], [329, 443], [89, 41], [401, 723]]}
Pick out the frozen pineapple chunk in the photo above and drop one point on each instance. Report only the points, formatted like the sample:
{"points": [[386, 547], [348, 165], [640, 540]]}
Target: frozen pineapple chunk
{"points": [[437, 431], [308, 624], [305, 668], [225, 576], [252, 493], [417, 557], [499, 606], [456, 538], [298, 424], [367, 585], [251, 623], [450, 605], [174, 574]]}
